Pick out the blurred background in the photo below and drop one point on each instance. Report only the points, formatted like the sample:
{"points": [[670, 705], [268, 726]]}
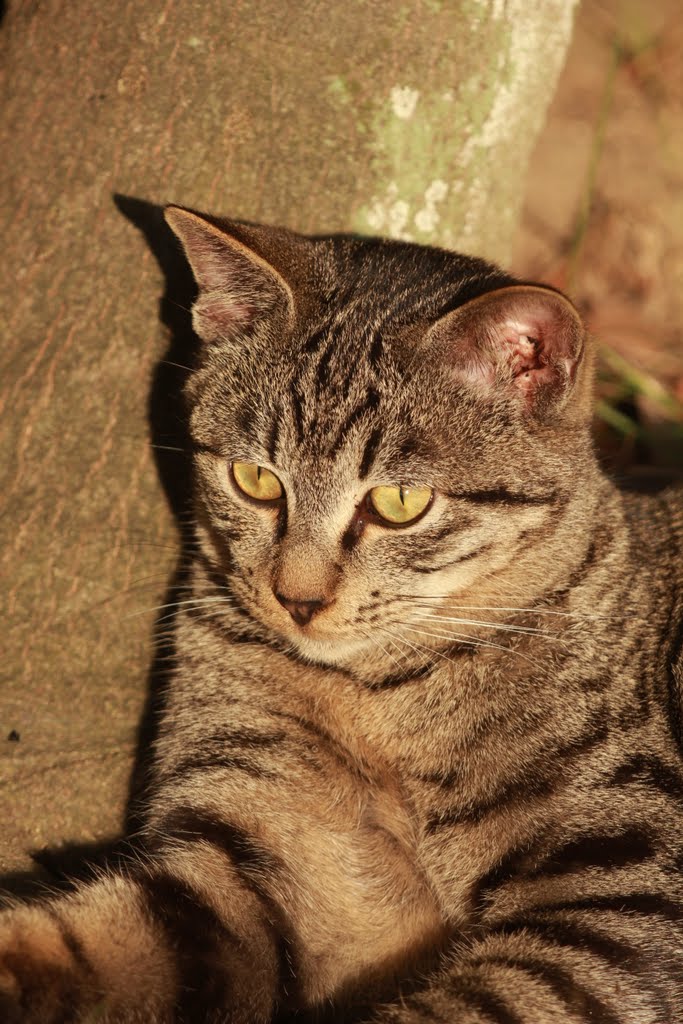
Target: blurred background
{"points": [[603, 218]]}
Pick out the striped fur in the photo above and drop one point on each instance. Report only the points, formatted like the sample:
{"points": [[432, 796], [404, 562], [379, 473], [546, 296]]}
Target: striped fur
{"points": [[456, 794]]}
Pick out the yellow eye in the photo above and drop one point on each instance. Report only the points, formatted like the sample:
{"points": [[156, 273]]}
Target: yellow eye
{"points": [[400, 504], [256, 481]]}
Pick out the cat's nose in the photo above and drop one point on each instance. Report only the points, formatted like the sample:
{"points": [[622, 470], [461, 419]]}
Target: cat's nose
{"points": [[301, 611]]}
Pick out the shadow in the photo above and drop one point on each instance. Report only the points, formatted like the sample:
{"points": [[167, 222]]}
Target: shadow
{"points": [[165, 407], [171, 447], [61, 867]]}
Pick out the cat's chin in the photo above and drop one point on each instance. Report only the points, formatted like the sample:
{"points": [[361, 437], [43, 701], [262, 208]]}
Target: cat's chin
{"points": [[332, 651]]}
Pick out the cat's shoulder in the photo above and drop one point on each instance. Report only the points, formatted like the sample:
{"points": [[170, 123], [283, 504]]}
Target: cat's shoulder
{"points": [[653, 505]]}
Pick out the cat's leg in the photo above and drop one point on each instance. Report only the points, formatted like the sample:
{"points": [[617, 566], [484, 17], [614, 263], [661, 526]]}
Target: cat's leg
{"points": [[177, 939], [613, 959]]}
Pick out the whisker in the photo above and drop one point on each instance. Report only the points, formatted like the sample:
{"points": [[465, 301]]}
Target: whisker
{"points": [[402, 654], [508, 627], [539, 609], [468, 638], [375, 641], [168, 362], [419, 649], [177, 604]]}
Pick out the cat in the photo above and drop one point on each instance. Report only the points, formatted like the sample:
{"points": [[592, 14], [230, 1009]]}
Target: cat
{"points": [[420, 758]]}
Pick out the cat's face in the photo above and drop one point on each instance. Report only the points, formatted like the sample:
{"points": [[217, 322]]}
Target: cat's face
{"points": [[348, 477]]}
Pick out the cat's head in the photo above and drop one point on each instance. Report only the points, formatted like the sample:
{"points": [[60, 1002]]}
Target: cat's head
{"points": [[378, 426]]}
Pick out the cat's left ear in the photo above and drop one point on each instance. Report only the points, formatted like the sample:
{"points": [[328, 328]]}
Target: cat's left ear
{"points": [[239, 286], [525, 343]]}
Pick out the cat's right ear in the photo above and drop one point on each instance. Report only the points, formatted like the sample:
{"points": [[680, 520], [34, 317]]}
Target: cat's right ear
{"points": [[524, 344], [238, 287]]}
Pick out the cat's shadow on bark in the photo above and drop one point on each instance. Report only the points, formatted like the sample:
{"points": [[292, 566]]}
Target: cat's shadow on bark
{"points": [[60, 866], [171, 448]]}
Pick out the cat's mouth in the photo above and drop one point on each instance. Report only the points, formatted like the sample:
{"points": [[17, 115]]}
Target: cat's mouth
{"points": [[330, 650], [318, 634], [315, 634]]}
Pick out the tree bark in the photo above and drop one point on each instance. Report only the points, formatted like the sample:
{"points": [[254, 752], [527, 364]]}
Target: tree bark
{"points": [[412, 120]]}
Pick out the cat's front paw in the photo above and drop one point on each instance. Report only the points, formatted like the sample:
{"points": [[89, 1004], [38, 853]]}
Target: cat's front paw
{"points": [[40, 980], [10, 996]]}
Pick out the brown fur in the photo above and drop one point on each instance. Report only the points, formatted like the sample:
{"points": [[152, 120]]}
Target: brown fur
{"points": [[456, 792]]}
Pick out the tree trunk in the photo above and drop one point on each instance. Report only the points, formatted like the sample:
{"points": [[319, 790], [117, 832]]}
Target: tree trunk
{"points": [[412, 120]]}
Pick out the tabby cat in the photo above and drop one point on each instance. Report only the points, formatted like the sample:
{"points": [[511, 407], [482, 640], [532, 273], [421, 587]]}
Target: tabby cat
{"points": [[420, 758]]}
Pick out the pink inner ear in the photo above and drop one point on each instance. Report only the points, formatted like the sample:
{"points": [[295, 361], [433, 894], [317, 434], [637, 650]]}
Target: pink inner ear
{"points": [[218, 316], [523, 343], [526, 355], [530, 362]]}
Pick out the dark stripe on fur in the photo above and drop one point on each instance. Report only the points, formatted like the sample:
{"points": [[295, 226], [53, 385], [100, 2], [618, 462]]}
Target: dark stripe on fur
{"points": [[575, 935], [639, 903], [500, 495], [208, 760], [317, 738], [584, 567], [436, 536], [485, 1002], [369, 404], [209, 618], [392, 682], [273, 436], [375, 353], [247, 854], [198, 936], [298, 414], [323, 369], [245, 738], [369, 453], [245, 418], [454, 561], [514, 863], [204, 449], [444, 780], [72, 943], [64, 991], [632, 846], [409, 446], [253, 863], [649, 769], [316, 339], [537, 781], [564, 985]]}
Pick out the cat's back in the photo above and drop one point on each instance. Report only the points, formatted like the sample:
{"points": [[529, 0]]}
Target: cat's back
{"points": [[654, 517]]}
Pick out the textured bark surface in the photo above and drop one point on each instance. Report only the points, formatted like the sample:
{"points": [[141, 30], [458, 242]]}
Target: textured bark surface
{"points": [[413, 120]]}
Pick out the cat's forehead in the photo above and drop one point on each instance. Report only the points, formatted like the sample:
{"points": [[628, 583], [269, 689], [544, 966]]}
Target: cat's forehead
{"points": [[342, 392]]}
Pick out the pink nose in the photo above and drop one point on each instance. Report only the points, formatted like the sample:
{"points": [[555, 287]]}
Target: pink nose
{"points": [[301, 611]]}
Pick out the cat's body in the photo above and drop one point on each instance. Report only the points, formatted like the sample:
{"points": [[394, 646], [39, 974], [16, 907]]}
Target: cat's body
{"points": [[433, 765]]}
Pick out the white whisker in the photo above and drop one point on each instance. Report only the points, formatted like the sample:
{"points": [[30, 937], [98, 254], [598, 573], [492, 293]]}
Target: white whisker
{"points": [[402, 654], [469, 639], [375, 641], [424, 652], [177, 604], [530, 630], [449, 605]]}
